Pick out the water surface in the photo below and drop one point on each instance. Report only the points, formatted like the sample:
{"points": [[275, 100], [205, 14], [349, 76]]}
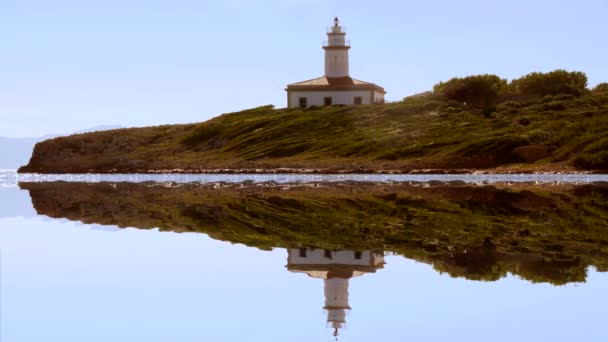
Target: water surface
{"points": [[11, 178], [159, 261]]}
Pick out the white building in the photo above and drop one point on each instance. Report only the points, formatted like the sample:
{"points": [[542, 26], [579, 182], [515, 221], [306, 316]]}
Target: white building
{"points": [[336, 86], [335, 268]]}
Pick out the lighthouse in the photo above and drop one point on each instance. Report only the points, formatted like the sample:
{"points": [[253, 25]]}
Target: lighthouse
{"points": [[336, 52], [336, 268], [336, 86]]}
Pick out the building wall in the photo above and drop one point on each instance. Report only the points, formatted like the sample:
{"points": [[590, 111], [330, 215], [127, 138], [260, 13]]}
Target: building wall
{"points": [[344, 257], [339, 97], [378, 97], [336, 63], [336, 295]]}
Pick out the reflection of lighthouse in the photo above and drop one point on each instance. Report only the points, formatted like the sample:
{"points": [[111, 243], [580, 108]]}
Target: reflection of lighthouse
{"points": [[335, 268]]}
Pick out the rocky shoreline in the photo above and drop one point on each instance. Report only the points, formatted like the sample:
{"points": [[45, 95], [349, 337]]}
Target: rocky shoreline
{"points": [[317, 171]]}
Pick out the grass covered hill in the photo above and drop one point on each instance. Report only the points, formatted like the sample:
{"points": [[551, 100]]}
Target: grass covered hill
{"points": [[448, 129], [543, 233]]}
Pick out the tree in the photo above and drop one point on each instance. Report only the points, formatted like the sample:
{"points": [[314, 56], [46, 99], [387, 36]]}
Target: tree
{"points": [[478, 90], [551, 83], [601, 88]]}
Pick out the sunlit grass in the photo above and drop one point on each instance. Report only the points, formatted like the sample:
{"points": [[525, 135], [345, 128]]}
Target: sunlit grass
{"points": [[414, 134]]}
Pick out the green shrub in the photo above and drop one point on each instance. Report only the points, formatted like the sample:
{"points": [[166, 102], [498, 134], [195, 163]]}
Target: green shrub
{"points": [[564, 97], [202, 133], [509, 106], [388, 155], [554, 105], [600, 145], [479, 90], [419, 98], [601, 88], [547, 98], [551, 83]]}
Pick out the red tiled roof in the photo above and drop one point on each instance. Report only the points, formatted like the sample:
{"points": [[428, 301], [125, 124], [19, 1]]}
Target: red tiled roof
{"points": [[334, 83]]}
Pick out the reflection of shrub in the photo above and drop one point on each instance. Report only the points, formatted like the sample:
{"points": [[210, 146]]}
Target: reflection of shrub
{"points": [[478, 90], [592, 160], [487, 111], [523, 121], [555, 82]]}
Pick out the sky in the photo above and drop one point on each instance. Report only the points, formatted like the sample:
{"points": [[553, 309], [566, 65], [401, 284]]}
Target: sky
{"points": [[70, 65]]}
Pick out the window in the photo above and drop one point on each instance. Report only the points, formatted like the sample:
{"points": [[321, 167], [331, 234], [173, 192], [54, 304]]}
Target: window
{"points": [[327, 100], [303, 102], [358, 100], [303, 252], [328, 254], [357, 255]]}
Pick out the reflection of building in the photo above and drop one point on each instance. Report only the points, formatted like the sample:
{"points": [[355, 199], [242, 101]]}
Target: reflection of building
{"points": [[335, 268]]}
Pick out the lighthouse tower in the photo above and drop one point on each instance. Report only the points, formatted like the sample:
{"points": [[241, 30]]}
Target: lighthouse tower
{"points": [[336, 268], [336, 51], [336, 87], [336, 298]]}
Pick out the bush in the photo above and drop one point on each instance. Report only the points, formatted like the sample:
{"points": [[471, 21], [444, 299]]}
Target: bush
{"points": [[601, 88], [479, 90], [488, 110], [523, 121], [592, 161], [600, 145], [551, 83], [201, 133], [554, 105], [418, 98], [564, 97]]}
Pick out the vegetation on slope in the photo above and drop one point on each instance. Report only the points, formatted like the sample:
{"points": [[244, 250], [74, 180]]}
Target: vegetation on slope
{"points": [[476, 122], [543, 233]]}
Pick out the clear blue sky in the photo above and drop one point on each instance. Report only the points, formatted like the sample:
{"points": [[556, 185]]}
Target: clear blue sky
{"points": [[68, 65]]}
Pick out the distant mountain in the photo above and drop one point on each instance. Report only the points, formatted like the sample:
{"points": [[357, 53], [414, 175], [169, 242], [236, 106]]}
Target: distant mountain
{"points": [[15, 152]]}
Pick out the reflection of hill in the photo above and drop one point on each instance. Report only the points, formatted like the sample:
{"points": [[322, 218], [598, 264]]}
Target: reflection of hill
{"points": [[539, 232]]}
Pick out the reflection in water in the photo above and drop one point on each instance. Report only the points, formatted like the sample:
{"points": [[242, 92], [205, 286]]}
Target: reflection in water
{"points": [[541, 233], [78, 284], [335, 268]]}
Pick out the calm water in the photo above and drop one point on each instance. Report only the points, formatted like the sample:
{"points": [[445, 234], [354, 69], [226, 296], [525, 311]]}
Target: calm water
{"points": [[11, 178], [169, 274]]}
